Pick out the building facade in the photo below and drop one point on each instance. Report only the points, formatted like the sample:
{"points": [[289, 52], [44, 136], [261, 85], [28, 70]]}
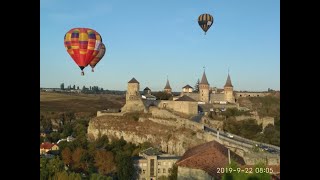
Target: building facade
{"points": [[152, 164]]}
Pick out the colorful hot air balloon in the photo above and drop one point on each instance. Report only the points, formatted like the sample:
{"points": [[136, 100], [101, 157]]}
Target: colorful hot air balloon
{"points": [[98, 57], [205, 22], [82, 45]]}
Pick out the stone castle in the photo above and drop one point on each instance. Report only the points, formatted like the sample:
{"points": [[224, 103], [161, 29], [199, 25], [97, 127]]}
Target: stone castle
{"points": [[188, 102]]}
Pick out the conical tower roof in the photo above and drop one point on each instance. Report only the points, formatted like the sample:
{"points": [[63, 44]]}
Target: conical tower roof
{"points": [[204, 79], [167, 85], [133, 80], [228, 82]]}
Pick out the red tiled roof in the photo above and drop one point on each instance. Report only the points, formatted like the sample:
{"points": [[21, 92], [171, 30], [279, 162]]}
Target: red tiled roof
{"points": [[208, 157], [46, 145]]}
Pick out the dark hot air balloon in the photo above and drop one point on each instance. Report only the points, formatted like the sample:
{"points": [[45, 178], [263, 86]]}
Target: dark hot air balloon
{"points": [[205, 22], [82, 45], [98, 57]]}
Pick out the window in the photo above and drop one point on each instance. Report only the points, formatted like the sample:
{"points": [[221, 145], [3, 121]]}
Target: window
{"points": [[164, 170], [143, 171], [159, 163], [159, 171]]}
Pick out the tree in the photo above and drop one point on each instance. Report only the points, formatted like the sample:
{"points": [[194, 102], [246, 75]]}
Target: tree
{"points": [[125, 169], [102, 142], [104, 162], [62, 86], [54, 137], [162, 95], [44, 172], [74, 87], [66, 155], [55, 165], [174, 173], [77, 87], [196, 87], [79, 159], [63, 175]]}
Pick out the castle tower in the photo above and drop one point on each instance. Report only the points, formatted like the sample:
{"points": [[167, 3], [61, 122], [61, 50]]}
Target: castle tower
{"points": [[147, 91], [228, 91], [167, 88], [133, 90], [133, 97], [204, 89]]}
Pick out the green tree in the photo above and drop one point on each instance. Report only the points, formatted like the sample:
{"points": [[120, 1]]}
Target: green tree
{"points": [[102, 142], [62, 86], [55, 165], [63, 175], [162, 95], [196, 87], [174, 173], [44, 172], [96, 176], [74, 176], [271, 135], [125, 169], [54, 137]]}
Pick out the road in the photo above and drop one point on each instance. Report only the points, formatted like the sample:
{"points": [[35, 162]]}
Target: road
{"points": [[265, 147]]}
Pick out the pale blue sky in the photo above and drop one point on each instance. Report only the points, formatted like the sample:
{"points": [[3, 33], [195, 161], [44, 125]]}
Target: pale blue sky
{"points": [[150, 39]]}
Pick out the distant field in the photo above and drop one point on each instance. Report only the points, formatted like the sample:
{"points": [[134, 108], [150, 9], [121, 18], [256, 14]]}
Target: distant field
{"points": [[58, 102]]}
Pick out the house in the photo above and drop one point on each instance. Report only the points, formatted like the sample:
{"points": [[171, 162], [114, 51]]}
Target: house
{"points": [[202, 161], [45, 147], [152, 164]]}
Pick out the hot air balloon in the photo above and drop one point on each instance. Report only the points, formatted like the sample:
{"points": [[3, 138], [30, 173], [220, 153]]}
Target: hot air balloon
{"points": [[205, 22], [98, 57], [82, 45]]}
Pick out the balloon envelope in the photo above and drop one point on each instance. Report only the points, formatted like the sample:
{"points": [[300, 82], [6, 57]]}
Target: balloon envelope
{"points": [[205, 21], [99, 56], [82, 45]]}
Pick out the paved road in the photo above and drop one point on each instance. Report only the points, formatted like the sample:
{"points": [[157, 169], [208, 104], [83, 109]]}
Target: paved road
{"points": [[265, 147]]}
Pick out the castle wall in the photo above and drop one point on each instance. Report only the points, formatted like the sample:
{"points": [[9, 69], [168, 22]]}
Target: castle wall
{"points": [[265, 121], [186, 107], [251, 94]]}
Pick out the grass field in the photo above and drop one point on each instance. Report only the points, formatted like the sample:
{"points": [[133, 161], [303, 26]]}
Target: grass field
{"points": [[60, 102]]}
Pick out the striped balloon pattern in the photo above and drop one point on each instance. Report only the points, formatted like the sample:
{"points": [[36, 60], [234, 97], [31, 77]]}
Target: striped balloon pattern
{"points": [[98, 57], [205, 22], [82, 44]]}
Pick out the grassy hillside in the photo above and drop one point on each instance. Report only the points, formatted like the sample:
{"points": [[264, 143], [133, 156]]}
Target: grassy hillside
{"points": [[89, 103], [265, 106]]}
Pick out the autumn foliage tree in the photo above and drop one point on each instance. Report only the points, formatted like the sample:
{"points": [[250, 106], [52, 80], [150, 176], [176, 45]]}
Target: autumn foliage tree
{"points": [[104, 162], [66, 156]]}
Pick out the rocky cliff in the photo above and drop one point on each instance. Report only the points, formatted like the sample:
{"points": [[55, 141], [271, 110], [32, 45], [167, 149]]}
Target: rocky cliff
{"points": [[168, 133]]}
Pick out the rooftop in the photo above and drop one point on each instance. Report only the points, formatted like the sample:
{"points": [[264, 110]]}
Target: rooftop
{"points": [[133, 80], [187, 86], [185, 98], [208, 157]]}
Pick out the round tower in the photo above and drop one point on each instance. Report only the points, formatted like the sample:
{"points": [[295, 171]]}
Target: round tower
{"points": [[228, 91], [133, 90], [204, 89]]}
